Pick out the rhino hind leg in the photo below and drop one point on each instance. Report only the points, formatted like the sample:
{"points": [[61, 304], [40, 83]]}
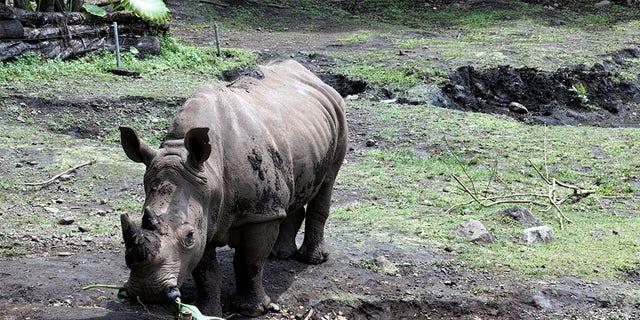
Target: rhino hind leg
{"points": [[285, 246], [313, 250], [253, 243]]}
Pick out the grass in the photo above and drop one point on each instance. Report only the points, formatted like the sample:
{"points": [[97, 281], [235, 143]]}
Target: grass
{"points": [[403, 186], [176, 72]]}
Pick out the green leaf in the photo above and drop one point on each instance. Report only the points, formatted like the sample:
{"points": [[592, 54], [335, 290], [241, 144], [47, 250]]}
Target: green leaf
{"points": [[94, 9], [149, 10], [195, 312]]}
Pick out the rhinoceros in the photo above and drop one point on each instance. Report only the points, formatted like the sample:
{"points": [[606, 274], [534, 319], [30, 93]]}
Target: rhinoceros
{"points": [[241, 165]]}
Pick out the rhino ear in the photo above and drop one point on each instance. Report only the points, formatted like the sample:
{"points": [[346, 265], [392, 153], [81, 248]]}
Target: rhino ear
{"points": [[197, 143], [135, 148]]}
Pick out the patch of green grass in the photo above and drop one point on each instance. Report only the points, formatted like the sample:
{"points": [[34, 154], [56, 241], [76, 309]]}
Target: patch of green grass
{"points": [[406, 186], [358, 36], [177, 71], [376, 68]]}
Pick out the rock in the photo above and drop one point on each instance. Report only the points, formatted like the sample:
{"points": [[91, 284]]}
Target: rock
{"points": [[602, 4], [65, 220], [542, 302], [518, 108], [51, 209], [521, 214], [64, 254], [84, 228], [474, 231], [420, 94], [541, 234], [385, 265], [371, 143]]}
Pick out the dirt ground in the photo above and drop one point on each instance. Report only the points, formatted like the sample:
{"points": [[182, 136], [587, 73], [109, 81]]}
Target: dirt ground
{"points": [[353, 284]]}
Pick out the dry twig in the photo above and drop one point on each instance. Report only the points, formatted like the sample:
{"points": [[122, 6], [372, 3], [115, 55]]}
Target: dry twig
{"points": [[46, 182], [551, 196]]}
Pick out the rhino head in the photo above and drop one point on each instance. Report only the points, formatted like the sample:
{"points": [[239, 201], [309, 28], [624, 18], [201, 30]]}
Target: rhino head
{"points": [[172, 235]]}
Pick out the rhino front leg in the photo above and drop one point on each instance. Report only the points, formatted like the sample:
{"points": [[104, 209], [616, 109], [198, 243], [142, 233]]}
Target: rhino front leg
{"points": [[285, 246], [207, 278], [313, 250], [253, 246]]}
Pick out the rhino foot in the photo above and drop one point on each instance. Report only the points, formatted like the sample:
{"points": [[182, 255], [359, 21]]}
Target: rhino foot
{"points": [[315, 255], [254, 309], [284, 251]]}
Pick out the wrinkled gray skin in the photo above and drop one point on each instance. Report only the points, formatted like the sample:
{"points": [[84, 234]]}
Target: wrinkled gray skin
{"points": [[237, 166]]}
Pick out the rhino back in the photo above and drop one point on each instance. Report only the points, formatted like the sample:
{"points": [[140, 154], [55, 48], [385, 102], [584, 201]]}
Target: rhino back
{"points": [[274, 140]]}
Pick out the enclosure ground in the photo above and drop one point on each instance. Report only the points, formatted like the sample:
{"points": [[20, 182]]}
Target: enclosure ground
{"points": [[366, 277]]}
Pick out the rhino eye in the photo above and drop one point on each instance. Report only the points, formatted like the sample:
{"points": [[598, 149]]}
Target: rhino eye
{"points": [[189, 238]]}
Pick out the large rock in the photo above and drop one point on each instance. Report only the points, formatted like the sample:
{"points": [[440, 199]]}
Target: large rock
{"points": [[421, 94], [541, 234], [474, 231], [520, 214]]}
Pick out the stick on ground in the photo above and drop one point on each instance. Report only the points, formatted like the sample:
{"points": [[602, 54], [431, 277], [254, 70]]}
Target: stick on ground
{"points": [[47, 182]]}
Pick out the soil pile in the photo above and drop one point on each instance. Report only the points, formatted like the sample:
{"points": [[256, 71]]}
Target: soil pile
{"points": [[600, 95]]}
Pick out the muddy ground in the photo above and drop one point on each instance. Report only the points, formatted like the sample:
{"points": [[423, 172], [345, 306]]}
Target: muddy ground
{"points": [[364, 278]]}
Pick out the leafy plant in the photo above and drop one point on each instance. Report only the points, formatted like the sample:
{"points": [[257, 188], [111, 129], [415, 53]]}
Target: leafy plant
{"points": [[148, 10], [580, 95]]}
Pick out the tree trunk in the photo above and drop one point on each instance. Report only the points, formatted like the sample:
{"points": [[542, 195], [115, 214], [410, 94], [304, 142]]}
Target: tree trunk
{"points": [[65, 35], [11, 29]]}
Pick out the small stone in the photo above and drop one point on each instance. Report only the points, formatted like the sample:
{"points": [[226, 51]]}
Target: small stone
{"points": [[542, 234], [474, 231], [445, 189], [66, 177], [51, 209], [59, 201], [19, 165], [542, 302], [101, 213], [385, 265], [84, 228], [371, 143], [602, 4], [518, 108], [521, 214], [65, 220], [64, 254]]}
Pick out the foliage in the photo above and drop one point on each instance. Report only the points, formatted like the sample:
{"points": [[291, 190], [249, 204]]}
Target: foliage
{"points": [[580, 95], [148, 10]]}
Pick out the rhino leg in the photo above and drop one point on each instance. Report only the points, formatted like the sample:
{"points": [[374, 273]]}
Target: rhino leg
{"points": [[313, 250], [285, 246], [251, 251], [207, 278]]}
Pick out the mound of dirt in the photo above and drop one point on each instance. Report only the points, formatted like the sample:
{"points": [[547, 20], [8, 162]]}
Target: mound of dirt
{"points": [[576, 95]]}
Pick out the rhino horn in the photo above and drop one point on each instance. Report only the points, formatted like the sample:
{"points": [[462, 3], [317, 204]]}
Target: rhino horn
{"points": [[150, 220], [130, 232]]}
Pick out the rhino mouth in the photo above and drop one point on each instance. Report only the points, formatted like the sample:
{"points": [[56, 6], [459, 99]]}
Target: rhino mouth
{"points": [[155, 295]]}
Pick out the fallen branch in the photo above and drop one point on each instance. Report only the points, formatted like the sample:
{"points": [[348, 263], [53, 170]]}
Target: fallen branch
{"points": [[47, 182], [553, 201]]}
